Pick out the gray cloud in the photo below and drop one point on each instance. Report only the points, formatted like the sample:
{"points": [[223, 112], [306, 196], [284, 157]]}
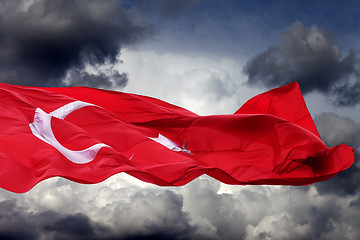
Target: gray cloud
{"points": [[262, 212], [200, 210], [18, 223], [15, 222], [147, 215], [335, 130], [347, 92], [226, 217], [75, 226], [109, 80], [312, 57], [152, 214], [41, 40]]}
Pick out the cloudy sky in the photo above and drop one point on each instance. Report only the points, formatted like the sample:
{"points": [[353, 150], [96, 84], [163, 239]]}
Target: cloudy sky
{"points": [[207, 56]]}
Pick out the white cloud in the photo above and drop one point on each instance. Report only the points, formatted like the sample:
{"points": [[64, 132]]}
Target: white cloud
{"points": [[203, 209], [198, 83]]}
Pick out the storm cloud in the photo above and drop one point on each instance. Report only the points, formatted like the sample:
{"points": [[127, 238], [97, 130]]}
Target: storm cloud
{"points": [[335, 130], [109, 80], [145, 216], [312, 57], [204, 209], [42, 42]]}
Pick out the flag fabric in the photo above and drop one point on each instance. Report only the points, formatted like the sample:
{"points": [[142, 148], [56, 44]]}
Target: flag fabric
{"points": [[87, 135]]}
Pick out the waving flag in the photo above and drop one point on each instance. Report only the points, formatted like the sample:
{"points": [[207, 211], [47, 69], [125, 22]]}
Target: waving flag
{"points": [[86, 135]]}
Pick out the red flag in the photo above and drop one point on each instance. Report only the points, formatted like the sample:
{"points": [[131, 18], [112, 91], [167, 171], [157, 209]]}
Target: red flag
{"points": [[86, 135]]}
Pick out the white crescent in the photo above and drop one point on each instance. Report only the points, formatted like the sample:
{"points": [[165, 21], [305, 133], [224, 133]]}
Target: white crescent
{"points": [[41, 128]]}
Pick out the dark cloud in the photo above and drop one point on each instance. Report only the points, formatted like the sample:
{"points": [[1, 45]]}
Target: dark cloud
{"points": [[109, 80], [74, 226], [146, 216], [227, 217], [15, 223], [18, 223], [346, 183], [261, 212], [198, 211], [154, 215], [312, 57], [335, 130], [355, 203], [347, 93], [41, 40]]}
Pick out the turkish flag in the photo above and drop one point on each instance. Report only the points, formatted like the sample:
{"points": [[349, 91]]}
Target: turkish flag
{"points": [[86, 135]]}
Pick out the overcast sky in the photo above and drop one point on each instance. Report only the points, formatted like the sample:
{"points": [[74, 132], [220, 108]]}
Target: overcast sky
{"points": [[207, 56]]}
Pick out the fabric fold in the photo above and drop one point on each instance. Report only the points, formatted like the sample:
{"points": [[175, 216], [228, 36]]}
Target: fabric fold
{"points": [[271, 139]]}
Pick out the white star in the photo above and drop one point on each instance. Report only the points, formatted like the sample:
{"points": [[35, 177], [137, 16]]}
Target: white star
{"points": [[170, 144]]}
